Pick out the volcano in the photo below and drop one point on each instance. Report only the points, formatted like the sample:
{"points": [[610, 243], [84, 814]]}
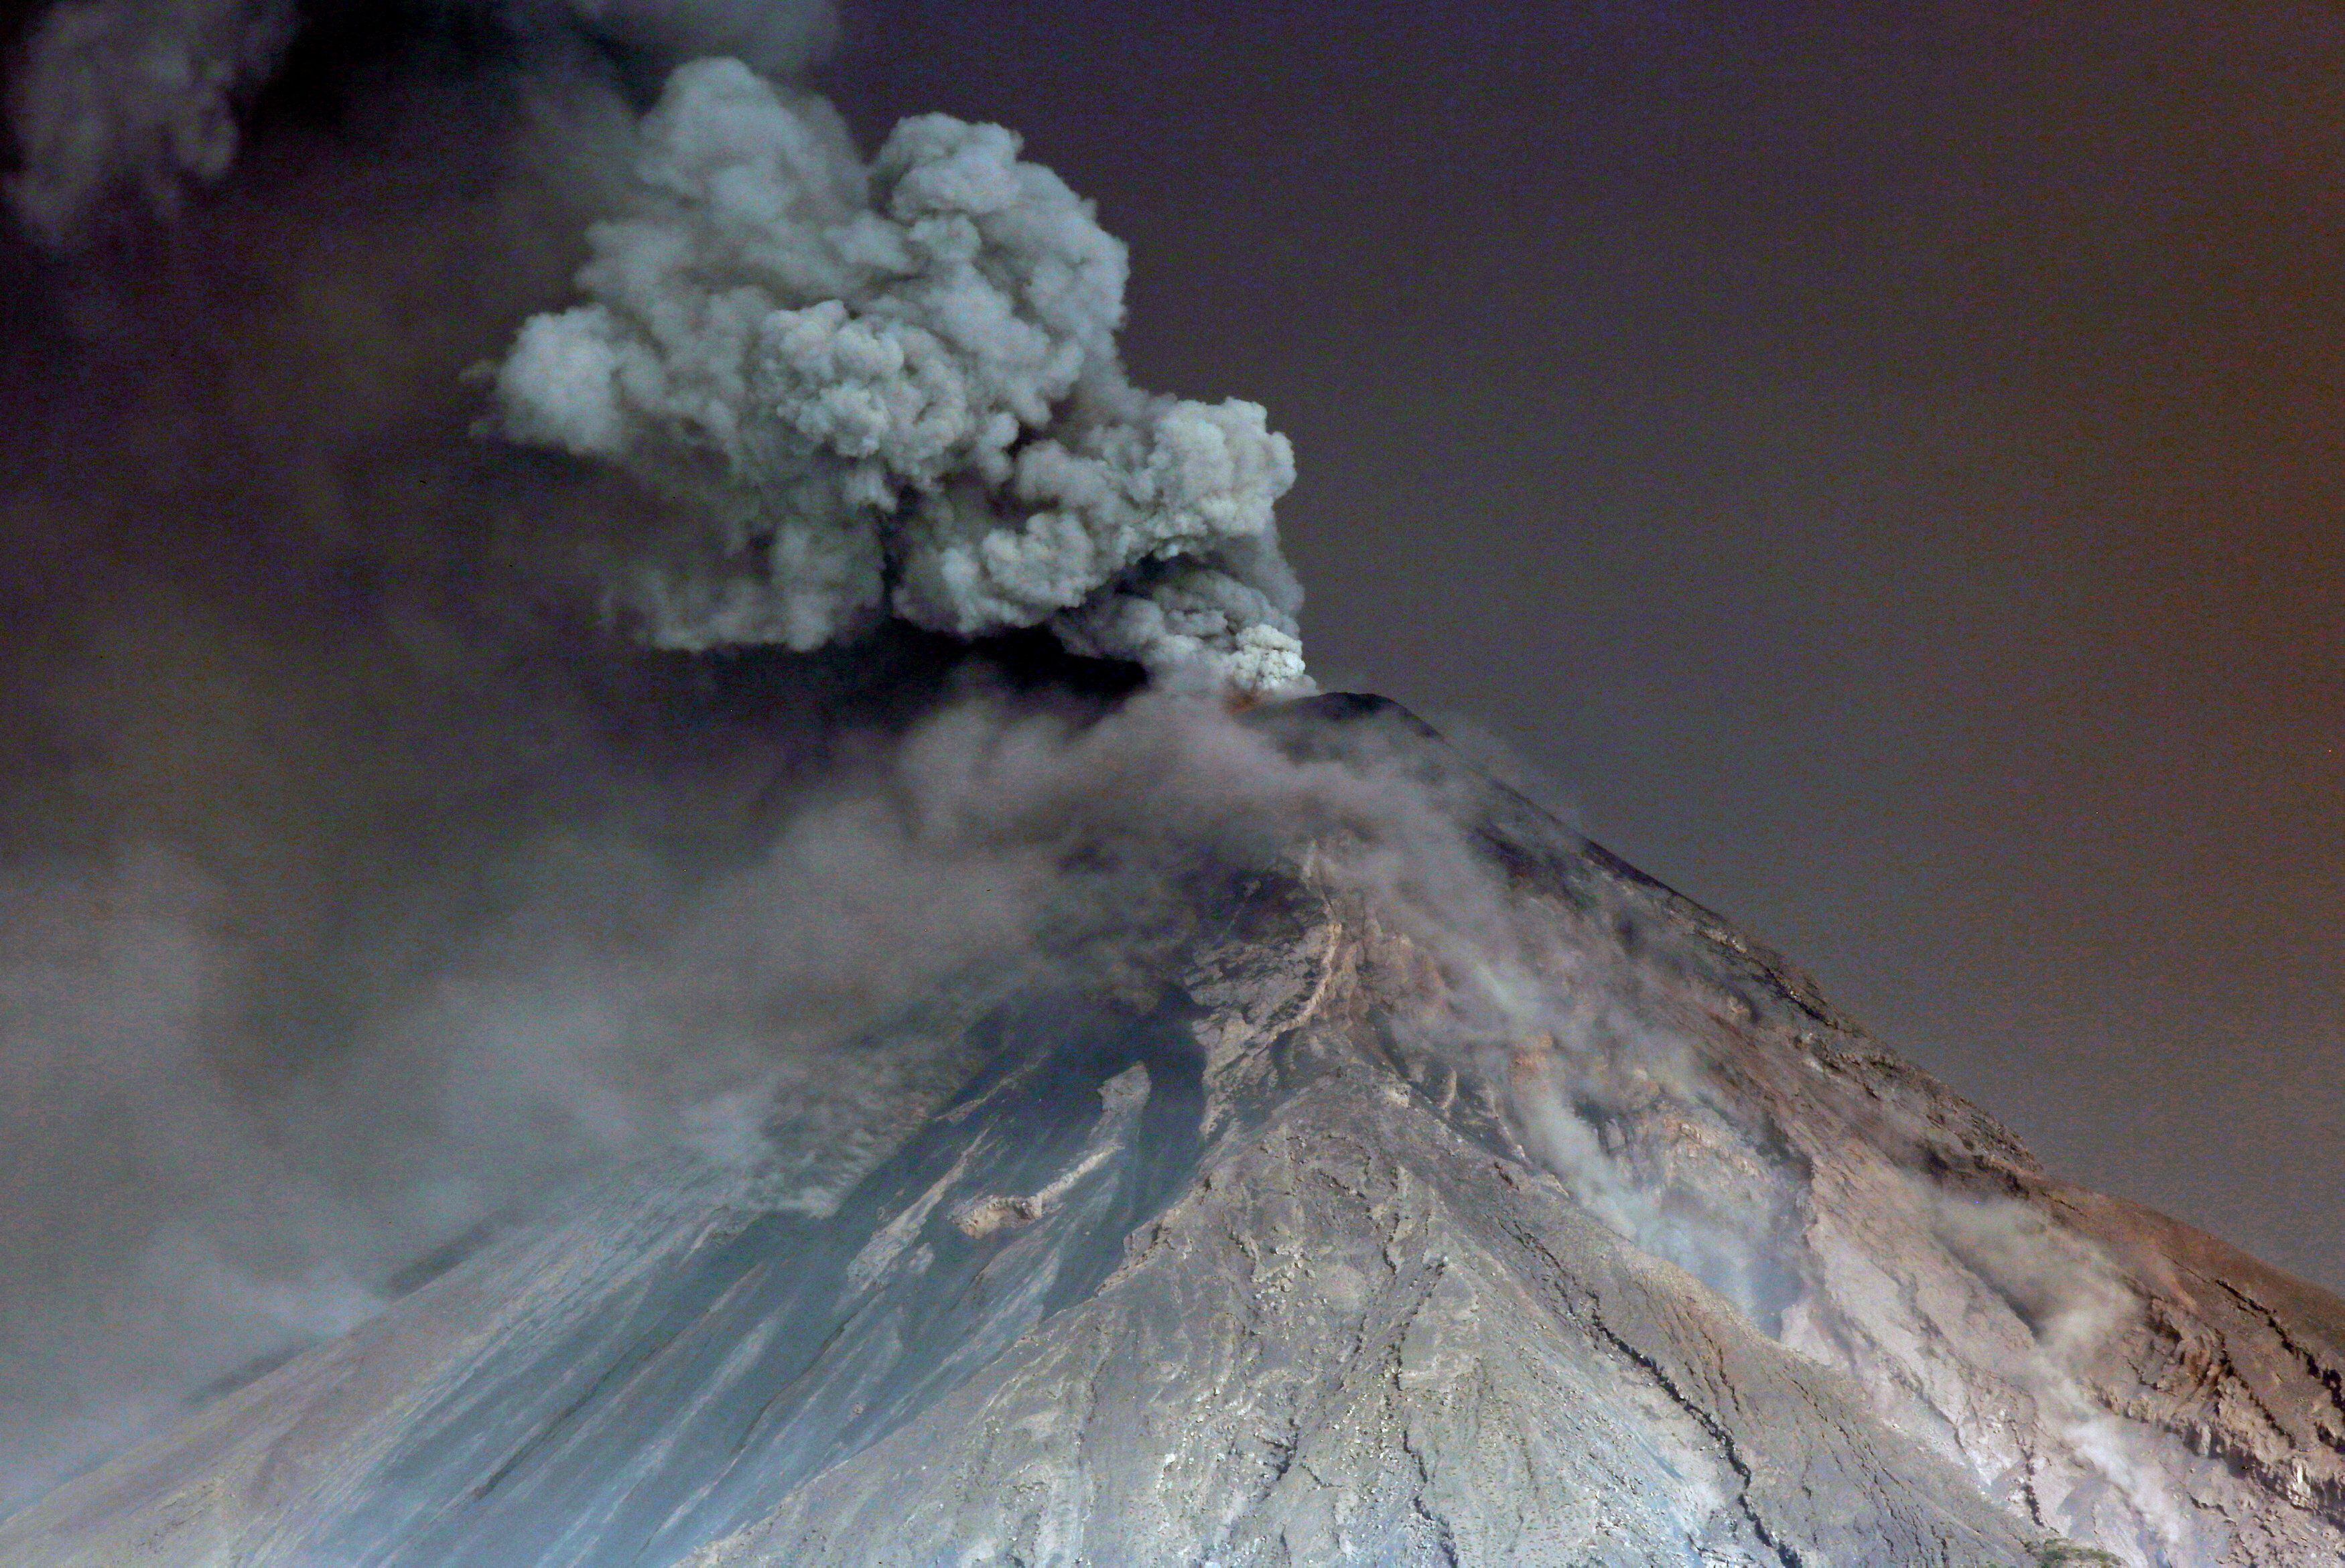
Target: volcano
{"points": [[1241, 1228]]}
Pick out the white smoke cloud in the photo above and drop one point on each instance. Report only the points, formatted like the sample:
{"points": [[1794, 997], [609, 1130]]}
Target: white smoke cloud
{"points": [[894, 390], [2072, 1299]]}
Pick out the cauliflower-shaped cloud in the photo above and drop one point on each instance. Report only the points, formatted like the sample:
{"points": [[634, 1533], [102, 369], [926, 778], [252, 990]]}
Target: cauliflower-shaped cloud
{"points": [[894, 390]]}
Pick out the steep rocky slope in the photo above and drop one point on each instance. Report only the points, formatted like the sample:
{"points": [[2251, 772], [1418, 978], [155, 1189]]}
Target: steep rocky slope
{"points": [[1501, 1207]]}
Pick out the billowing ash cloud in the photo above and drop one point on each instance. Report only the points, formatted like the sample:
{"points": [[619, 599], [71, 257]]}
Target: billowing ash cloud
{"points": [[893, 390], [357, 888], [868, 390]]}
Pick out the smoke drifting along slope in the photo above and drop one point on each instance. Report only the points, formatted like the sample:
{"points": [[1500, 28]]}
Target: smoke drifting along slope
{"points": [[1202, 1233], [357, 886], [360, 890]]}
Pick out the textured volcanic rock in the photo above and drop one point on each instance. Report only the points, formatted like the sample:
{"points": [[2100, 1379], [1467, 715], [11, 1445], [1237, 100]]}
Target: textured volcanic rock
{"points": [[1312, 1226]]}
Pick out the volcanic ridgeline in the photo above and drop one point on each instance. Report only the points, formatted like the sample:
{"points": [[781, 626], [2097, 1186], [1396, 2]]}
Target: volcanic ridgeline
{"points": [[1506, 1209]]}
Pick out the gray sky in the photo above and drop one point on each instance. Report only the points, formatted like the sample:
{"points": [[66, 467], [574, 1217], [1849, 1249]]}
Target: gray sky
{"points": [[1886, 464]]}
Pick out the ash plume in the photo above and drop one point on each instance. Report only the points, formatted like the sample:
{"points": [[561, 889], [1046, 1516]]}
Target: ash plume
{"points": [[893, 389], [867, 389], [357, 886]]}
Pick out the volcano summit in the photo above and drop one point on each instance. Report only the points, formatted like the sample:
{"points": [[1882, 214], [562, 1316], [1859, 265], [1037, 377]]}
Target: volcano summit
{"points": [[672, 895], [1427, 1188]]}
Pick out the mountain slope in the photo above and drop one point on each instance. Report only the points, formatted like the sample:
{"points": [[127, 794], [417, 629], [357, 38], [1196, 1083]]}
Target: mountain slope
{"points": [[1509, 1208]]}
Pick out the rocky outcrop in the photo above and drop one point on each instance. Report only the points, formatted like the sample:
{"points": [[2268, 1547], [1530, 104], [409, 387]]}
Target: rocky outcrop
{"points": [[1388, 1345]]}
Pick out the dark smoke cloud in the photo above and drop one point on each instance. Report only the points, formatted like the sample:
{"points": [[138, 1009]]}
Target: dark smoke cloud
{"points": [[355, 884], [272, 731], [140, 99], [361, 881], [894, 388], [361, 884]]}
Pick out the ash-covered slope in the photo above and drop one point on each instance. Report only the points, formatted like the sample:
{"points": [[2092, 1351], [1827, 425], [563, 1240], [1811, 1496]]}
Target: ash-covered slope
{"points": [[1490, 1209]]}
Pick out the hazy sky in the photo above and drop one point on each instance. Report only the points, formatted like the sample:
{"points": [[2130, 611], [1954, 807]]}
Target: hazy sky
{"points": [[1886, 464]]}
